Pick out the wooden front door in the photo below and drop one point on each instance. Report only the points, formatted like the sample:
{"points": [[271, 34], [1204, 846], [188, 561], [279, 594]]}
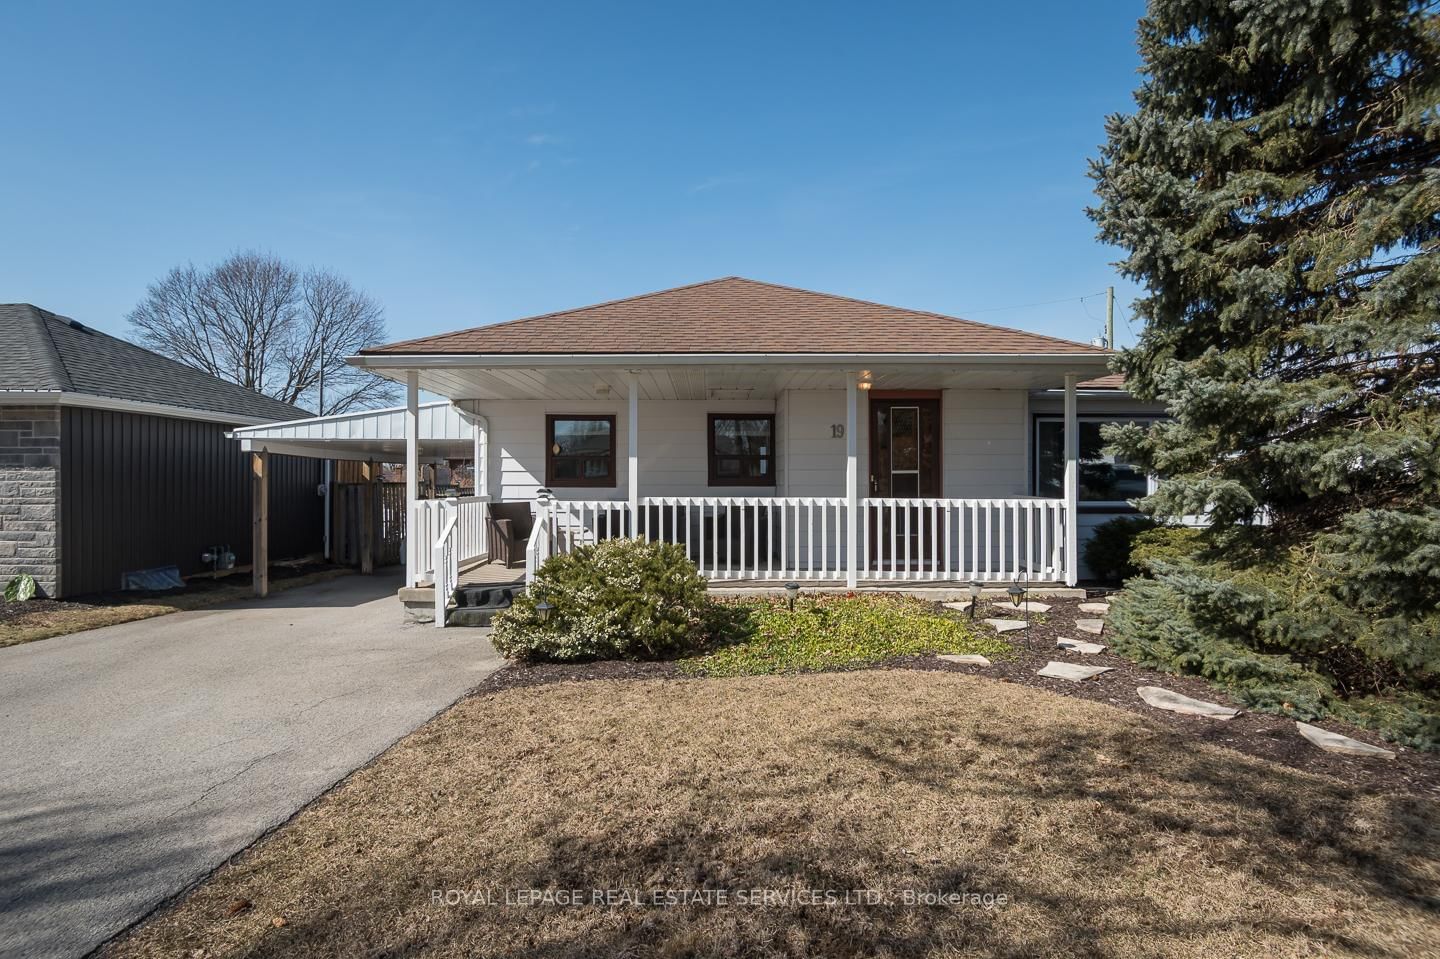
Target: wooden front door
{"points": [[905, 463]]}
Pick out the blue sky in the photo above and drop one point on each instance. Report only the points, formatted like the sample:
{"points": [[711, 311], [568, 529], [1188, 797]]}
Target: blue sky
{"points": [[468, 163]]}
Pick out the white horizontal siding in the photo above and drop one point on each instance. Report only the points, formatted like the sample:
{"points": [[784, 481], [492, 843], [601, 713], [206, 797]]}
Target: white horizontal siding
{"points": [[673, 437]]}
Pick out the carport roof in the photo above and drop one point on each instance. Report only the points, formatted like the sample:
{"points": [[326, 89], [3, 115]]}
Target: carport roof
{"points": [[446, 430]]}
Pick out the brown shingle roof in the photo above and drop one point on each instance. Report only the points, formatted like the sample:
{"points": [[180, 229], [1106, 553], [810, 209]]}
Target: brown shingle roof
{"points": [[1111, 381], [736, 315]]}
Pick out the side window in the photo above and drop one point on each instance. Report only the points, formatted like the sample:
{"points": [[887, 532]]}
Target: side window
{"points": [[579, 450], [1104, 479]]}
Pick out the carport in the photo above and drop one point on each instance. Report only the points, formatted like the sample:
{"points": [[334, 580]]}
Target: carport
{"points": [[371, 437]]}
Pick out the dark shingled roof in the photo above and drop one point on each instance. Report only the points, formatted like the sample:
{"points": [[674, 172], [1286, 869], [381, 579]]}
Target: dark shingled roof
{"points": [[42, 351], [736, 315]]}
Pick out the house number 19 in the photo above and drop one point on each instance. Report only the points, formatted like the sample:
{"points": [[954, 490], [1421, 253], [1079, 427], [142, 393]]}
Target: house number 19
{"points": [[837, 431]]}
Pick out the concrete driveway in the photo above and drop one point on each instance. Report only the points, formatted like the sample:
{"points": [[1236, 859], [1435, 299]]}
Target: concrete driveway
{"points": [[136, 758]]}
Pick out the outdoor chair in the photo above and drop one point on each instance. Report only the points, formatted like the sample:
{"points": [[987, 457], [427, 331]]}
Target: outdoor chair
{"points": [[510, 527]]}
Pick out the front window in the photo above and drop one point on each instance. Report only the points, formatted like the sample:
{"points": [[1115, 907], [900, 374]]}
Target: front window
{"points": [[742, 449], [579, 450], [1104, 479]]}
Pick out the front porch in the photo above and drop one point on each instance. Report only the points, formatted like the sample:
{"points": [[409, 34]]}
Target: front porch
{"points": [[765, 538]]}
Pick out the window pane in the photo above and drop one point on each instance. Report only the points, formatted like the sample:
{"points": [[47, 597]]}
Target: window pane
{"points": [[1103, 479], [905, 484], [741, 448], [580, 450], [904, 438], [1050, 458]]}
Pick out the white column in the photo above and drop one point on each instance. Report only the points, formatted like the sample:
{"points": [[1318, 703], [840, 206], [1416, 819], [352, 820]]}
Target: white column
{"points": [[632, 445], [480, 458], [1072, 483], [852, 484], [412, 472]]}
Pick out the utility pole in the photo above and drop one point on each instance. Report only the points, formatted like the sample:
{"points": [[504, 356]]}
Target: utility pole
{"points": [[1110, 317], [321, 410]]}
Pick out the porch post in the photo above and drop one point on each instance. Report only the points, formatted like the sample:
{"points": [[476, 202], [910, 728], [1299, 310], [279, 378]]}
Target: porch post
{"points": [[1072, 483], [852, 484], [260, 522], [412, 471], [480, 461], [632, 445]]}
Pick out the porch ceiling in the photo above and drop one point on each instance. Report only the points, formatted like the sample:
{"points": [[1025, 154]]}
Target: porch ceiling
{"points": [[480, 380]]}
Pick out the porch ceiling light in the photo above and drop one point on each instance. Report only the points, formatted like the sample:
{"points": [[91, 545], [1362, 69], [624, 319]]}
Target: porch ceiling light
{"points": [[792, 590], [865, 382]]}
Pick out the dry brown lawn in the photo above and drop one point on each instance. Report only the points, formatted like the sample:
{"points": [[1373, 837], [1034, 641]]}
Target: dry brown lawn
{"points": [[49, 621], [1109, 836]]}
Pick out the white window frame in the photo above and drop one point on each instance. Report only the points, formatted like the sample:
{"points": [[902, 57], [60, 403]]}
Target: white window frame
{"points": [[1115, 504]]}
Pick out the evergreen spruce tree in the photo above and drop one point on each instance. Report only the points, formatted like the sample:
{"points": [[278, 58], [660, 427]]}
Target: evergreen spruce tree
{"points": [[1277, 192]]}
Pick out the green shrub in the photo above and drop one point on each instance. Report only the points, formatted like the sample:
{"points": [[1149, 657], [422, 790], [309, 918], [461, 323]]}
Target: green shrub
{"points": [[1107, 553], [619, 599], [836, 632], [1280, 637], [1162, 544]]}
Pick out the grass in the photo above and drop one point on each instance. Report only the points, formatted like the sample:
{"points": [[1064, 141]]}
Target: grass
{"points": [[838, 632], [47, 623], [1108, 835]]}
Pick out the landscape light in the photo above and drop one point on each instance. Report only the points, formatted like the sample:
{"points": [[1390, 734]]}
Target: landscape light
{"points": [[975, 588], [792, 590], [543, 609]]}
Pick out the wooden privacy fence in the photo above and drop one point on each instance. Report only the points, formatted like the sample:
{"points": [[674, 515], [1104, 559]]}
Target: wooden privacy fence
{"points": [[385, 505]]}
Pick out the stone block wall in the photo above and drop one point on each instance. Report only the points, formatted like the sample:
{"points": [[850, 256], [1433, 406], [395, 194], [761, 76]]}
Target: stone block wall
{"points": [[30, 494]]}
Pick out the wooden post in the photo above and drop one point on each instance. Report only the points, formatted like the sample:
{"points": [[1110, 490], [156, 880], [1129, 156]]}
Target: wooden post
{"points": [[260, 520], [367, 517]]}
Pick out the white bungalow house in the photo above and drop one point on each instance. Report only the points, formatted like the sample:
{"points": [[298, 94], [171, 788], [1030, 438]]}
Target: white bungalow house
{"points": [[778, 433]]}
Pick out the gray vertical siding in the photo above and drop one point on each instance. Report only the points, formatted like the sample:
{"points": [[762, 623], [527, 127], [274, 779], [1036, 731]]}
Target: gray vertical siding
{"points": [[140, 491]]}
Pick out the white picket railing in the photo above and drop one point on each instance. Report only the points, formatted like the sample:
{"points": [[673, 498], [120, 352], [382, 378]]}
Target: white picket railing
{"points": [[759, 538], [805, 538], [449, 535], [987, 540]]}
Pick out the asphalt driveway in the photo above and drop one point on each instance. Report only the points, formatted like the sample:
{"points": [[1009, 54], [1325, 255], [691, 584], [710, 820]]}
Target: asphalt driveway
{"points": [[136, 758]]}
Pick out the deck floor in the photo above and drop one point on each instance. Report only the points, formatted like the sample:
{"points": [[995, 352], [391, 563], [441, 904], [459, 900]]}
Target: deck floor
{"points": [[492, 574]]}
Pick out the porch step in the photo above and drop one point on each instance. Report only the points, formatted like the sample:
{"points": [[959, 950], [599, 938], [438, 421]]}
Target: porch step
{"points": [[473, 605]]}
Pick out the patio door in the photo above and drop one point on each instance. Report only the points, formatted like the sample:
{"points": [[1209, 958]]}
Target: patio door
{"points": [[905, 463]]}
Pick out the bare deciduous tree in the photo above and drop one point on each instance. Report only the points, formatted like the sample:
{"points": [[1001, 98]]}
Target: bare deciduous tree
{"points": [[260, 322]]}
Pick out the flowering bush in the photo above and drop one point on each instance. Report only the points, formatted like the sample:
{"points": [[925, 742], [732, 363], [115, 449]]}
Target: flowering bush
{"points": [[618, 599]]}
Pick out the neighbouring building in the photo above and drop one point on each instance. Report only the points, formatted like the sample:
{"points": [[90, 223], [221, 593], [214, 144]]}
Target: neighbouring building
{"points": [[114, 459]]}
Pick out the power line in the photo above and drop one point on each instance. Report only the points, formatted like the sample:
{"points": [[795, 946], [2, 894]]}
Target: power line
{"points": [[1026, 306]]}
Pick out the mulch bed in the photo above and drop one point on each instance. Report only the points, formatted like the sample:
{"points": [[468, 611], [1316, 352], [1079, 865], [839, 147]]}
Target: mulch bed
{"points": [[13, 611], [1257, 734]]}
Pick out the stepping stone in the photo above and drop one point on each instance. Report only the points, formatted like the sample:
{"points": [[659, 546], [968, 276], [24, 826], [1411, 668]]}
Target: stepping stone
{"points": [[1176, 703], [1100, 608], [959, 607], [1072, 671], [1006, 625], [1094, 626], [1029, 606], [1336, 743], [1080, 646], [965, 659]]}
